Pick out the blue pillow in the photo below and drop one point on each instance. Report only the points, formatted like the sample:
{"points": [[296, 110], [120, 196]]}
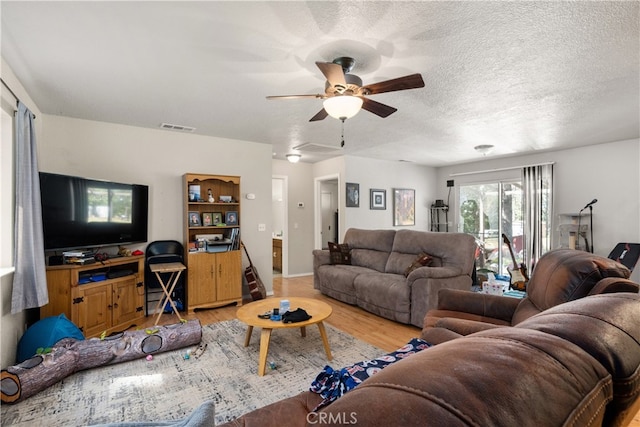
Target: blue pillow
{"points": [[45, 333]]}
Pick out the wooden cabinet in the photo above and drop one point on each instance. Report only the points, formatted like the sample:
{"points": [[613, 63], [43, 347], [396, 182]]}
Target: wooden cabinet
{"points": [[214, 279], [277, 255], [212, 240], [102, 304]]}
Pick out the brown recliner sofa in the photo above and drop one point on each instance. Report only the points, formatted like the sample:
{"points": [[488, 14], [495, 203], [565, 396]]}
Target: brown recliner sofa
{"points": [[375, 278], [575, 364], [560, 276]]}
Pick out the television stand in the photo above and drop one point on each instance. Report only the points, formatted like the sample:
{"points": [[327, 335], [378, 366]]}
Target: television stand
{"points": [[112, 303]]}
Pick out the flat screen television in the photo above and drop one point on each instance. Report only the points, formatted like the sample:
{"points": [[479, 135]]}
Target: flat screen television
{"points": [[82, 213]]}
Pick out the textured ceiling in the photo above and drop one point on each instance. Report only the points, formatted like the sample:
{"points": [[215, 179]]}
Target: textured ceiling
{"points": [[522, 76]]}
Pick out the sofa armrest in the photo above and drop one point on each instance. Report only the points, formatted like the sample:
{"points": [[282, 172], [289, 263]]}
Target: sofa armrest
{"points": [[321, 257], [438, 335], [495, 306], [614, 284], [433, 273], [464, 326]]}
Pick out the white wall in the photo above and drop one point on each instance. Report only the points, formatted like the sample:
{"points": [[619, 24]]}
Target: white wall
{"points": [[608, 172], [387, 175], [159, 159], [299, 233]]}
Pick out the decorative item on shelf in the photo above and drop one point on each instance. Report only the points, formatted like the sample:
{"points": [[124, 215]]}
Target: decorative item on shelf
{"points": [[217, 218], [231, 218], [225, 199], [207, 219], [194, 219], [194, 193], [202, 245], [210, 196]]}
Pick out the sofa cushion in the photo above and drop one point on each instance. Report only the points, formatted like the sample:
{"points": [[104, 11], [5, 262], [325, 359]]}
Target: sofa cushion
{"points": [[337, 281], [339, 253], [387, 295], [455, 250], [421, 261], [370, 248]]}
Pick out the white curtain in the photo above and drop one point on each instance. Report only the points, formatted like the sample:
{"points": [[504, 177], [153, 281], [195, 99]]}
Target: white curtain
{"points": [[538, 199], [29, 279]]}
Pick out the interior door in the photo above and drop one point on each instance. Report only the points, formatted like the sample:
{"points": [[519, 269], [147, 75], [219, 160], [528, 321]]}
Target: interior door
{"points": [[328, 218]]}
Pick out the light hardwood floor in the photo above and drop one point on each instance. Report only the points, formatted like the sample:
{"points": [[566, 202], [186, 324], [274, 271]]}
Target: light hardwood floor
{"points": [[382, 333]]}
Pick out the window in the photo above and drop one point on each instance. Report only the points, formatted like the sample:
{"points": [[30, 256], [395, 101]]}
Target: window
{"points": [[489, 210]]}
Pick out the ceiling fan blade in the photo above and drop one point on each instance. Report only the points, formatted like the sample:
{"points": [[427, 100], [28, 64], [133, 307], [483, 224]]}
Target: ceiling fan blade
{"points": [[377, 108], [412, 81], [322, 114], [317, 95], [333, 73]]}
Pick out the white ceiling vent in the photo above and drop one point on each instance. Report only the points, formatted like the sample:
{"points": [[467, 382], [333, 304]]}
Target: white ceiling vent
{"points": [[316, 148], [179, 128]]}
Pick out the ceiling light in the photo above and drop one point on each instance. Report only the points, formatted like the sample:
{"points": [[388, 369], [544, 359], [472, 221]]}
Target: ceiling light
{"points": [[342, 107], [294, 158], [483, 149]]}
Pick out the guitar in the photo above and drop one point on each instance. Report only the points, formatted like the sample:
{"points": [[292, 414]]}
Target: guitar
{"points": [[518, 274], [256, 287]]}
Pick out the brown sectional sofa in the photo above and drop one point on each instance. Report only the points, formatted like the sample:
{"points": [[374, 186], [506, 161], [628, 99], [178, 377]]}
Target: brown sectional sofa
{"points": [[375, 279], [576, 364]]}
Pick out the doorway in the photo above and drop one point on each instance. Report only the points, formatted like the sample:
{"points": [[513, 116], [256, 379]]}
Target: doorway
{"points": [[327, 218], [279, 225]]}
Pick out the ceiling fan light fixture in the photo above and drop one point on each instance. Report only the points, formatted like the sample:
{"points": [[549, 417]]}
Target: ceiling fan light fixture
{"points": [[294, 158], [342, 107], [483, 149]]}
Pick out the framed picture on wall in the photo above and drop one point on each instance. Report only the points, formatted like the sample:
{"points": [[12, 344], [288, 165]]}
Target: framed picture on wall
{"points": [[404, 206], [353, 195], [377, 199]]}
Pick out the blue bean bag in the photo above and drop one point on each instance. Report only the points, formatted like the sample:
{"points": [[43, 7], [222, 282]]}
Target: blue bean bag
{"points": [[44, 334]]}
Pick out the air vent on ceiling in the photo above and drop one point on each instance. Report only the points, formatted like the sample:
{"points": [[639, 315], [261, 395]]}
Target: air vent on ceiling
{"points": [[316, 148], [180, 128]]}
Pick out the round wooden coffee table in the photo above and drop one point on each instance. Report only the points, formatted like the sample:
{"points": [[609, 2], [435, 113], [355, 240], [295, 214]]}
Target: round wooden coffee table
{"points": [[248, 314]]}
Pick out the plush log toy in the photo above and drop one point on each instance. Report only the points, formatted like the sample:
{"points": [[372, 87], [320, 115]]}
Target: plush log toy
{"points": [[70, 355]]}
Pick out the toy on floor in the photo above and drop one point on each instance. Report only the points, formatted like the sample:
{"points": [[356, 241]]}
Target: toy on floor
{"points": [[71, 355]]}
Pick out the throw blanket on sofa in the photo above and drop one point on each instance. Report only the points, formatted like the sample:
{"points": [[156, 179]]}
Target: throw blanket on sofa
{"points": [[332, 384]]}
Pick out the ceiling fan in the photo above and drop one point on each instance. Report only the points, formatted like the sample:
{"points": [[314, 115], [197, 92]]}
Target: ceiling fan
{"points": [[345, 95]]}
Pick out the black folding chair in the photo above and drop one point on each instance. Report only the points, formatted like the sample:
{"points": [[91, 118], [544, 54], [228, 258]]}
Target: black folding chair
{"points": [[158, 252]]}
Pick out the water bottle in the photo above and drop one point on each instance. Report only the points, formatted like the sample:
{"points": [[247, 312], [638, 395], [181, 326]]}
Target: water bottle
{"points": [[284, 306]]}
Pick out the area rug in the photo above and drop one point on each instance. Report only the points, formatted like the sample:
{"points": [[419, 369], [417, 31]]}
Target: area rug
{"points": [[170, 387]]}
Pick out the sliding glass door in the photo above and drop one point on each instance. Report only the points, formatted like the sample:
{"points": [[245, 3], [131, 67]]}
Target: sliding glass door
{"points": [[487, 211]]}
